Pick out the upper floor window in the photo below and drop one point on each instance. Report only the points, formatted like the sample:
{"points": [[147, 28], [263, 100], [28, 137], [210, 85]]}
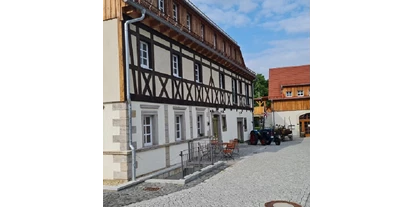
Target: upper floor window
{"points": [[221, 81], [189, 22], [300, 92], [161, 5], [234, 90], [176, 66], [247, 94], [197, 73], [175, 12], [288, 93], [240, 87], [144, 54]]}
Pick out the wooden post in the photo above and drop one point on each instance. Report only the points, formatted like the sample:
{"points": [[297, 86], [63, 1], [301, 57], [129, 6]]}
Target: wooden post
{"points": [[182, 164]]}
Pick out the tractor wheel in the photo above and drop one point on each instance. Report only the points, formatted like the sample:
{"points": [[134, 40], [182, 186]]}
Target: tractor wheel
{"points": [[269, 142], [253, 139], [277, 140], [263, 141]]}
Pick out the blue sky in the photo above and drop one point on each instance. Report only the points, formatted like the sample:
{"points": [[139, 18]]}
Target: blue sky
{"points": [[270, 33]]}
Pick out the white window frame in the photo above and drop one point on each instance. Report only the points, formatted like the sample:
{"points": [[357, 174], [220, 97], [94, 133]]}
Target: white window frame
{"points": [[200, 124], [142, 52], [288, 93], [145, 133], [189, 22], [300, 94], [176, 65], [175, 12], [197, 72], [178, 127], [161, 8]]}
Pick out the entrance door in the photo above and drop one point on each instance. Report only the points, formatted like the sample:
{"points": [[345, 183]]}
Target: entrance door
{"points": [[307, 128], [240, 131], [215, 126], [304, 121]]}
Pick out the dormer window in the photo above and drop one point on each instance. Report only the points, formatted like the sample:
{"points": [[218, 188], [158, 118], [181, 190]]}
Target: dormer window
{"points": [[288, 93], [161, 5], [202, 32], [215, 41], [189, 22], [175, 12]]}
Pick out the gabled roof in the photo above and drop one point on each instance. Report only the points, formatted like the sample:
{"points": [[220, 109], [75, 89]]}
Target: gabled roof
{"points": [[287, 76]]}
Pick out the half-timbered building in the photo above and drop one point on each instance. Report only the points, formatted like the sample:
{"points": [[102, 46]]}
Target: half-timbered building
{"points": [[171, 75], [289, 93]]}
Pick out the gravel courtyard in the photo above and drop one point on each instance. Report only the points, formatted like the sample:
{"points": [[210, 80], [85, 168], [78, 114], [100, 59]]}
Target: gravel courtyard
{"points": [[259, 175]]}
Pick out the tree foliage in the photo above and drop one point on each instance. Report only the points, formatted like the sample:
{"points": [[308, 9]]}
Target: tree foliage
{"points": [[261, 86]]}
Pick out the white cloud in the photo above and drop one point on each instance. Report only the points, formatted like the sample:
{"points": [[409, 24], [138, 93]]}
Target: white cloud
{"points": [[278, 6], [290, 16], [223, 4], [226, 18], [283, 6], [238, 13], [289, 52], [296, 24], [247, 6]]}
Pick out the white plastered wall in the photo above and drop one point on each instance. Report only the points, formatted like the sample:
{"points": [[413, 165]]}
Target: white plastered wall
{"points": [[231, 117], [111, 86], [294, 119], [150, 161]]}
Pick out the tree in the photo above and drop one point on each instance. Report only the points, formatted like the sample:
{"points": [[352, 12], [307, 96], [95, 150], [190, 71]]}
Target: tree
{"points": [[261, 86]]}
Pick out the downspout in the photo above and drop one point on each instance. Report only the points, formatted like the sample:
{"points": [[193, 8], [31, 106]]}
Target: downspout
{"points": [[128, 95], [273, 114], [253, 103]]}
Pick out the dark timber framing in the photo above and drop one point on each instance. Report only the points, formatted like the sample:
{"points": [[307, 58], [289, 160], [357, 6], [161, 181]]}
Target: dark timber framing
{"points": [[207, 95]]}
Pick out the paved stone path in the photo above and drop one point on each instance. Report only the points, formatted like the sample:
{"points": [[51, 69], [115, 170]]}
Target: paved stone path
{"points": [[137, 193], [273, 173]]}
